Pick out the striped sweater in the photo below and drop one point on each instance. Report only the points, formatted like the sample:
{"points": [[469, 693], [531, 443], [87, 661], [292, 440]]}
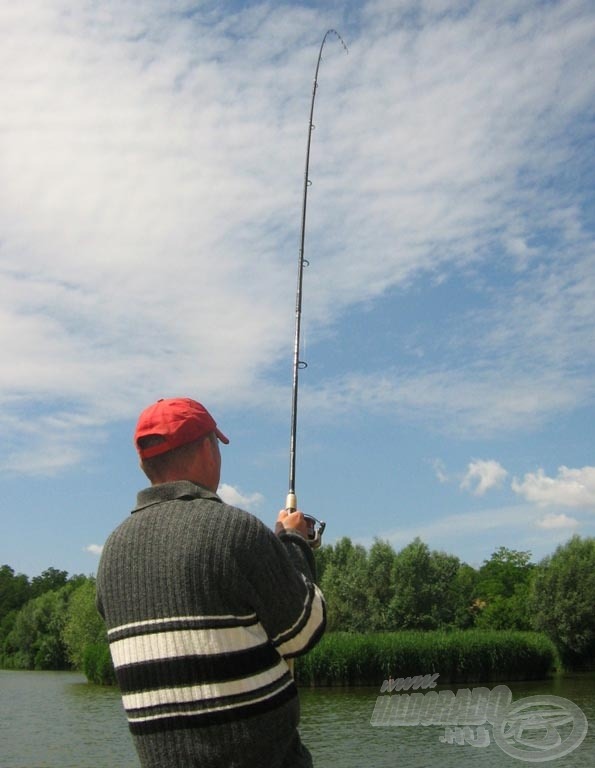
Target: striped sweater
{"points": [[203, 605]]}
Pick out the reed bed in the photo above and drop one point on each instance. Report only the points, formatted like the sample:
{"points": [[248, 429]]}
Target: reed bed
{"points": [[345, 658]]}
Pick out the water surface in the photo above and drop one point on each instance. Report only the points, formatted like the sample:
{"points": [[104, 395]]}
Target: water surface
{"points": [[58, 720]]}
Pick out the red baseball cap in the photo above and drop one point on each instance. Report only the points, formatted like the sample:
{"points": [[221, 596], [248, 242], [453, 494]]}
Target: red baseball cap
{"points": [[178, 420]]}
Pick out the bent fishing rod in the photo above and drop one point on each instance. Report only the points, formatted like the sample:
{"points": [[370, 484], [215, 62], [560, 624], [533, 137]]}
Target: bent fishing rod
{"points": [[314, 534]]}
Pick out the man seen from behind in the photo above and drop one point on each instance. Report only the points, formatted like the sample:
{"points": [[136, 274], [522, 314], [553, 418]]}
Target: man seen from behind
{"points": [[204, 605]]}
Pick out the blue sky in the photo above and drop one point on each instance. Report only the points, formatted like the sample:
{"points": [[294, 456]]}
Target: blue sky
{"points": [[152, 159]]}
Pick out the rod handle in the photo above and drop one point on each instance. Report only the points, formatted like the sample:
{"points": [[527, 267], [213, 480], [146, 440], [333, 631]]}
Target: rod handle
{"points": [[291, 506]]}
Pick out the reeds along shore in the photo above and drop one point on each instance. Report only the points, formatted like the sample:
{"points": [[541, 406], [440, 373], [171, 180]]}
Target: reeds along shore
{"points": [[467, 656]]}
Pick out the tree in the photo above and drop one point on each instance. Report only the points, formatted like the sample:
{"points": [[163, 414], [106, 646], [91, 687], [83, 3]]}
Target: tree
{"points": [[410, 604], [380, 566], [345, 587], [35, 641], [83, 626], [322, 557], [500, 575], [563, 596], [502, 590], [425, 594], [50, 580], [14, 591], [464, 587]]}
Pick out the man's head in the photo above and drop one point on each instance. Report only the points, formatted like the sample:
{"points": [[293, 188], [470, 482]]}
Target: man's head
{"points": [[177, 439]]}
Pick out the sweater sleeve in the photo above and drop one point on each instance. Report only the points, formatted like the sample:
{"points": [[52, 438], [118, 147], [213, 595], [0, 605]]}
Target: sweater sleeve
{"points": [[288, 603]]}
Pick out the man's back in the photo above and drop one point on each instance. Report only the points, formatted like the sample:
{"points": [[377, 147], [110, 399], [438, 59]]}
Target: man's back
{"points": [[202, 602]]}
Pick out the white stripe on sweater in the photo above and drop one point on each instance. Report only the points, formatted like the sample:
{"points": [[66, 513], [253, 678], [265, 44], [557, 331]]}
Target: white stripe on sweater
{"points": [[300, 641], [157, 622], [206, 691], [185, 642], [214, 708]]}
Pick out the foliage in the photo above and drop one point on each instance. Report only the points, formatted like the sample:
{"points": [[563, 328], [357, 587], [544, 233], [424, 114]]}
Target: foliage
{"points": [[463, 590], [500, 575], [424, 596], [83, 626], [562, 601], [386, 610], [343, 658], [384, 590], [14, 590], [49, 581], [416, 588], [345, 586], [35, 640], [502, 591], [55, 625], [97, 664]]}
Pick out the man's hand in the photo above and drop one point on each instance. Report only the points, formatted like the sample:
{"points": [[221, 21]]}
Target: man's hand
{"points": [[291, 521]]}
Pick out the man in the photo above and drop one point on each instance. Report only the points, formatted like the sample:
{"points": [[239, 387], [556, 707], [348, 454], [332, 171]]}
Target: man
{"points": [[203, 606]]}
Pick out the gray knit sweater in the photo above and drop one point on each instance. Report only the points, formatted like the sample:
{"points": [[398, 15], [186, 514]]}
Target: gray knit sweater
{"points": [[203, 605]]}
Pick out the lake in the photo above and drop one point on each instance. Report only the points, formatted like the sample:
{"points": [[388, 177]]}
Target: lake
{"points": [[58, 720]]}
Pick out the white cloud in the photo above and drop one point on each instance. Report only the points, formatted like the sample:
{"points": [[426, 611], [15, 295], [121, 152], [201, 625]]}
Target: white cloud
{"points": [[94, 549], [465, 402], [237, 498], [480, 532], [482, 475], [440, 470], [474, 536], [150, 192], [557, 521], [571, 487]]}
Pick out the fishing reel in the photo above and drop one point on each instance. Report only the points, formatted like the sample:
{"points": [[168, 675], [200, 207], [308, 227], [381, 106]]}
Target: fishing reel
{"points": [[314, 534]]}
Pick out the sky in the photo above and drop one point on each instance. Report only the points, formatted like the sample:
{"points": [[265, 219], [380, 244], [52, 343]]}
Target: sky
{"points": [[151, 171]]}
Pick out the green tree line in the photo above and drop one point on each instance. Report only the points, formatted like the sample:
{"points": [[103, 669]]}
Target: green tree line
{"points": [[381, 590], [50, 621]]}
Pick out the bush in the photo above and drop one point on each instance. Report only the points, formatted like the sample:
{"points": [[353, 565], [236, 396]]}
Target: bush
{"points": [[563, 597], [343, 658], [83, 624], [97, 664], [35, 641]]}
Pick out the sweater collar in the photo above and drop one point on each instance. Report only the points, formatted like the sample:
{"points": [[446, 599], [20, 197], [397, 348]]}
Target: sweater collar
{"points": [[179, 490]]}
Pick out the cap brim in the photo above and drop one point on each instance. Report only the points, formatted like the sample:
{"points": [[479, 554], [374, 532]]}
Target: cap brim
{"points": [[221, 436]]}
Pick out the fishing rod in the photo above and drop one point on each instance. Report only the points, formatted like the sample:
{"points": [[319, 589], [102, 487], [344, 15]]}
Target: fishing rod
{"points": [[314, 534]]}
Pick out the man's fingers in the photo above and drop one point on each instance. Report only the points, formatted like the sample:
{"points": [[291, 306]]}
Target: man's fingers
{"points": [[291, 521]]}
